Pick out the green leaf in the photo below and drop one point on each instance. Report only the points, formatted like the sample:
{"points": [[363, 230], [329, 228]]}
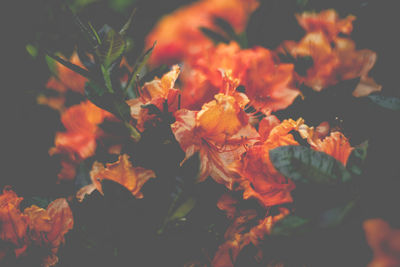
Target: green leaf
{"points": [[70, 65], [388, 102], [127, 23], [214, 36], [290, 225], [224, 25], [108, 101], [139, 64], [302, 164], [32, 50], [112, 46], [333, 217], [121, 5], [357, 158], [183, 209]]}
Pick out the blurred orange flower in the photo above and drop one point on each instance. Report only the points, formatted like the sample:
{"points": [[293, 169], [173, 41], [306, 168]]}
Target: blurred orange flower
{"points": [[79, 141], [268, 83], [327, 21], [156, 93], [122, 172], [178, 35], [384, 241], [334, 58], [67, 79]]}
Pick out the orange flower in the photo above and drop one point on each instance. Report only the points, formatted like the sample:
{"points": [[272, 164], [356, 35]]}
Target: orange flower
{"points": [[263, 181], [384, 241], [246, 228], [326, 21], [156, 93], [13, 224], [335, 144], [122, 172], [79, 141], [334, 58], [47, 228], [67, 78], [268, 83], [178, 35], [219, 132]]}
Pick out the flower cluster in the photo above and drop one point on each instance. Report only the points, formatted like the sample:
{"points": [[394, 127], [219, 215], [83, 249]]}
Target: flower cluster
{"points": [[220, 102], [34, 227]]}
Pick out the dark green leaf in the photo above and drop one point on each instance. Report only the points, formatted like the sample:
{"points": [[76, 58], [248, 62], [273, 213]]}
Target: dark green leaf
{"points": [[87, 33], [128, 23], [139, 64], [290, 225], [302, 164], [183, 210], [108, 101], [388, 102], [214, 36], [335, 216], [70, 65], [357, 158], [226, 27], [112, 46]]}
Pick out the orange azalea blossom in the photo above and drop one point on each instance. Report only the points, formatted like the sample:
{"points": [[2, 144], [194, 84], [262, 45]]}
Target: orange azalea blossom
{"points": [[219, 132], [326, 21], [334, 58], [268, 83], [43, 228], [122, 172], [47, 228], [384, 242], [13, 224], [67, 79], [156, 93], [79, 141], [261, 180], [240, 234], [178, 35]]}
